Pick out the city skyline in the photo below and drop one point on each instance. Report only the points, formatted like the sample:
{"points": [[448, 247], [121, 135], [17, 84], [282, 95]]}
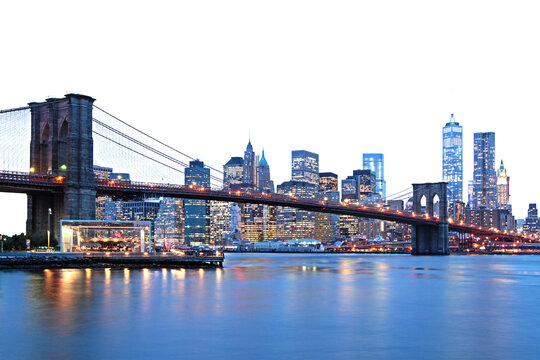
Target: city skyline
{"points": [[340, 90]]}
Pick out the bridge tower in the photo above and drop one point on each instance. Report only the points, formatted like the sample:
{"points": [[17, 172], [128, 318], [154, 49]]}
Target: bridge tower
{"points": [[431, 239], [61, 144]]}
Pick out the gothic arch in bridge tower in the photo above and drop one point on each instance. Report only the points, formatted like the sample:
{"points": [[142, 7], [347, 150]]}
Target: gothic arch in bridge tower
{"points": [[61, 144], [431, 238]]}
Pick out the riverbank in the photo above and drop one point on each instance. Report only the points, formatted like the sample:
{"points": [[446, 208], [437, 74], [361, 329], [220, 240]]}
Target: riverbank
{"points": [[105, 260]]}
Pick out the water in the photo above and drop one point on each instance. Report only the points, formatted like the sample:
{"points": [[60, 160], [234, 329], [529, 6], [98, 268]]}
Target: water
{"points": [[279, 306]]}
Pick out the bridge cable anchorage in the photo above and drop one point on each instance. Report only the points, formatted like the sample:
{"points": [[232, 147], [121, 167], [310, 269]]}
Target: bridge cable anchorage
{"points": [[148, 147], [156, 140]]}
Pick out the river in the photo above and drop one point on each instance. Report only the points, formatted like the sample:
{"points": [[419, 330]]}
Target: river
{"points": [[279, 306]]}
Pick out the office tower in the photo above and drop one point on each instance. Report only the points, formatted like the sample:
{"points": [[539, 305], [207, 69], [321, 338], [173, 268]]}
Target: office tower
{"points": [[503, 188], [197, 212], [305, 166], [143, 210], [294, 223], [233, 172], [169, 223], [249, 177], [265, 182], [375, 163], [531, 225], [328, 182], [220, 221], [484, 177], [360, 188], [452, 159], [327, 225]]}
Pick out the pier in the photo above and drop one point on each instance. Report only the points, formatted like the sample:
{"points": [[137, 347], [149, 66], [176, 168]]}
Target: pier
{"points": [[17, 260]]}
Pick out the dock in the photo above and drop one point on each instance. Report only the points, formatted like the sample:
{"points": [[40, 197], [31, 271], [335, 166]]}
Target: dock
{"points": [[20, 260]]}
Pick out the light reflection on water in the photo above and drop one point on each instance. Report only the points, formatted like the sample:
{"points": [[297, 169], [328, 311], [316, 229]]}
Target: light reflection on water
{"points": [[278, 306]]}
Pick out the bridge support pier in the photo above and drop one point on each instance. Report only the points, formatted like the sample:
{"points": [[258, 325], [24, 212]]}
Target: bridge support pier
{"points": [[61, 145], [431, 239]]}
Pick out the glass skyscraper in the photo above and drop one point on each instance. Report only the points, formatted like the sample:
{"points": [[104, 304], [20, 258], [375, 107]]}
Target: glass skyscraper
{"points": [[305, 166], [375, 163], [484, 177], [197, 212], [452, 159]]}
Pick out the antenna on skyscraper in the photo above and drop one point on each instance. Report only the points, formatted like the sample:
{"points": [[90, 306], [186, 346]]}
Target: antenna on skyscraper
{"points": [[452, 101]]}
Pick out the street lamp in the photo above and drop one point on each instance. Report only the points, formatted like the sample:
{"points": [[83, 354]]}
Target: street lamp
{"points": [[2, 242], [49, 231]]}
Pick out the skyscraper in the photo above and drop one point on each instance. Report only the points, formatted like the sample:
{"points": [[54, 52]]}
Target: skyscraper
{"points": [[484, 177], [360, 187], [327, 225], [305, 166], [233, 171], [375, 163], [452, 159], [197, 212], [265, 182], [293, 223], [503, 188], [249, 178], [328, 181]]}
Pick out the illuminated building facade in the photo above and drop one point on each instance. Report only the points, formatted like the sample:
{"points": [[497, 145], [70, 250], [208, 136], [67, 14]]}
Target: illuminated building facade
{"points": [[197, 212], [328, 182], [503, 188], [375, 163], [531, 224], [294, 223], [233, 172], [169, 223], [327, 225], [360, 187], [220, 221], [305, 166], [484, 176], [452, 159]]}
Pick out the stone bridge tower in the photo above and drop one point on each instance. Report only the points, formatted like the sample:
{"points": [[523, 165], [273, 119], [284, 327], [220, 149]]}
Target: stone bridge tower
{"points": [[431, 239], [62, 145]]}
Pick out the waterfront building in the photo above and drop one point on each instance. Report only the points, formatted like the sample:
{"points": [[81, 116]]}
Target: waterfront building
{"points": [[484, 177], [375, 163], [220, 221], [503, 188], [328, 181], [452, 159], [348, 226], [197, 212], [169, 223], [233, 172], [305, 166], [249, 170], [294, 223]]}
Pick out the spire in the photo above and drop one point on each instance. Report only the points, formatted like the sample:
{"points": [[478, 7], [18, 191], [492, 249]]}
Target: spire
{"points": [[249, 147], [263, 161], [502, 165], [452, 120]]}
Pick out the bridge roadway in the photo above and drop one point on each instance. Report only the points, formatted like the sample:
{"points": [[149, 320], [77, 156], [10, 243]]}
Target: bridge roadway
{"points": [[21, 182]]}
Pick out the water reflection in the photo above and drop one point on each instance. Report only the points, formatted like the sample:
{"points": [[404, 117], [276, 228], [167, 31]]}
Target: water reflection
{"points": [[336, 306]]}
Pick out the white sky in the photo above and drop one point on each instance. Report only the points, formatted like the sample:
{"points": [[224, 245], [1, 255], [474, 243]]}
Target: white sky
{"points": [[339, 78]]}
